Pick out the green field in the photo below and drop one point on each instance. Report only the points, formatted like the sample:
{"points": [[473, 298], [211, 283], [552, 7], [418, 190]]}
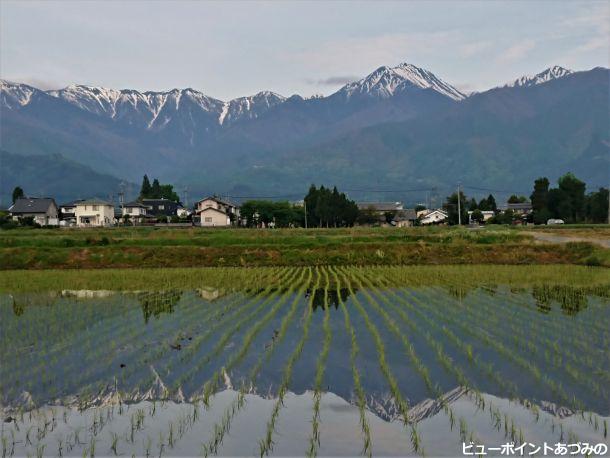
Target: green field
{"points": [[197, 247]]}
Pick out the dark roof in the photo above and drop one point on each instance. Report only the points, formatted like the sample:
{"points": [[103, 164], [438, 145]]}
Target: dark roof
{"points": [[32, 205], [135, 203], [94, 201], [380, 206], [519, 206], [220, 201], [71, 204], [405, 215]]}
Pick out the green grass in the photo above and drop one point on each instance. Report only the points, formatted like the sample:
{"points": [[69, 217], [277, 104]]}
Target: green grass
{"points": [[200, 247]]}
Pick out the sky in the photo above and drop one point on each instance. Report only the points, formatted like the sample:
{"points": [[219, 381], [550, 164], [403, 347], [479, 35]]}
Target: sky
{"points": [[230, 49]]}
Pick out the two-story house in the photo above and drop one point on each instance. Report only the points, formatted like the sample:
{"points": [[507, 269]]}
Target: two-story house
{"points": [[213, 211], [94, 213]]}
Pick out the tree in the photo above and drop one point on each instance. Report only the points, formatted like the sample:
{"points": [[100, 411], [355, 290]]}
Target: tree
{"points": [[17, 194], [155, 190], [574, 193], [488, 204], [472, 205], [451, 206], [539, 200], [327, 208], [477, 216], [146, 188], [596, 206], [515, 199]]}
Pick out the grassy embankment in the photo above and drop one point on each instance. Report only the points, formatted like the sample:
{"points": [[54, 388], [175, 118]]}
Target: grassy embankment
{"points": [[197, 247]]}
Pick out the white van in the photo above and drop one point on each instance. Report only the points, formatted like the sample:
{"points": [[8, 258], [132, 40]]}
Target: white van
{"points": [[554, 221]]}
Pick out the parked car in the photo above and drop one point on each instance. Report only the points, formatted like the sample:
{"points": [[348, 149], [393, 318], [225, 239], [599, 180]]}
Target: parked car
{"points": [[554, 221]]}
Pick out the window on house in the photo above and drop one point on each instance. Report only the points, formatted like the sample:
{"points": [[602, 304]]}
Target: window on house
{"points": [[130, 210], [161, 207], [95, 208], [208, 219]]}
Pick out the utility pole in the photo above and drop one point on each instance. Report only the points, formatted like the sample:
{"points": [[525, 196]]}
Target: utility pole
{"points": [[459, 207], [305, 210]]}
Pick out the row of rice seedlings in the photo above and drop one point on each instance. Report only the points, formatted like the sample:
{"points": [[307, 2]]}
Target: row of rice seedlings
{"points": [[485, 337], [450, 366], [211, 385], [137, 428], [359, 390], [420, 367], [245, 318], [401, 402], [47, 354], [220, 428], [476, 313], [568, 329], [192, 322], [266, 444], [534, 334], [519, 333], [211, 447], [442, 357], [184, 322], [314, 439]]}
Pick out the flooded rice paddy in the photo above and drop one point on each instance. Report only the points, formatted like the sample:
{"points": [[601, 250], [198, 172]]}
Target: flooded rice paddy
{"points": [[309, 361]]}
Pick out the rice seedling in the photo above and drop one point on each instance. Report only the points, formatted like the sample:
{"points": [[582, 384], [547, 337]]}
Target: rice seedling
{"points": [[266, 444], [314, 440], [401, 402]]}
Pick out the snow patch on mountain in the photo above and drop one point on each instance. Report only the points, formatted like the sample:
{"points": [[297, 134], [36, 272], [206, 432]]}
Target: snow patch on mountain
{"points": [[545, 76], [388, 81], [13, 95], [249, 107]]}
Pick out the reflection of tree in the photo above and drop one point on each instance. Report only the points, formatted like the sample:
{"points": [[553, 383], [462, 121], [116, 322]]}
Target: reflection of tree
{"points": [[460, 292], [332, 297], [18, 308], [156, 303], [571, 299]]}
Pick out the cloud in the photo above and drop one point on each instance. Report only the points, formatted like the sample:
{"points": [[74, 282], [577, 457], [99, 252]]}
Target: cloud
{"points": [[517, 51], [38, 83], [333, 80], [474, 49]]}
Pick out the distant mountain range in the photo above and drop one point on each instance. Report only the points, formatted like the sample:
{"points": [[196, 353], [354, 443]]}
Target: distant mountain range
{"points": [[399, 128]]}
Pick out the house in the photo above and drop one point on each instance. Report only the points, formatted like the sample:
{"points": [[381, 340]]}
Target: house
{"points": [[487, 215], [432, 216], [43, 210], [94, 213], [161, 207], [67, 213], [519, 208], [405, 218], [213, 211], [135, 211], [380, 207]]}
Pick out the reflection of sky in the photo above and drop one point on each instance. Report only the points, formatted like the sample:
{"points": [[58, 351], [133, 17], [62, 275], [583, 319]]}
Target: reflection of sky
{"points": [[231, 49], [339, 426]]}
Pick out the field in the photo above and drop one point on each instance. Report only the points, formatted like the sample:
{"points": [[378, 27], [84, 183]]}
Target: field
{"points": [[317, 360], [197, 247]]}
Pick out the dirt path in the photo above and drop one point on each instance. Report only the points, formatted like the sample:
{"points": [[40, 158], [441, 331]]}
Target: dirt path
{"points": [[552, 238]]}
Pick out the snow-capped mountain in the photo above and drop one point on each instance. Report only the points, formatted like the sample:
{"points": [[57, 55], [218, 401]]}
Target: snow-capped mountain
{"points": [[14, 95], [388, 81], [545, 76], [249, 107], [156, 109]]}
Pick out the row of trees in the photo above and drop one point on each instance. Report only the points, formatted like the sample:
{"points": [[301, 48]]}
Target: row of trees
{"points": [[157, 190], [568, 201], [258, 213], [329, 208]]}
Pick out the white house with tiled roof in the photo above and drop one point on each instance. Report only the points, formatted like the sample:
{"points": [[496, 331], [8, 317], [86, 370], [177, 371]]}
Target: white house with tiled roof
{"points": [[94, 213]]}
